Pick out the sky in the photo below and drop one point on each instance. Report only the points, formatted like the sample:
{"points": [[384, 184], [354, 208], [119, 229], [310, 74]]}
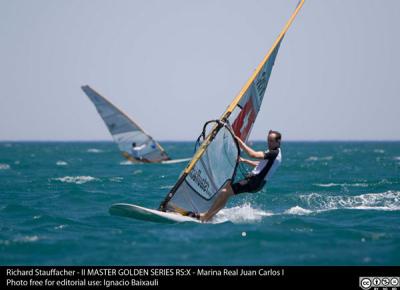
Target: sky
{"points": [[172, 65]]}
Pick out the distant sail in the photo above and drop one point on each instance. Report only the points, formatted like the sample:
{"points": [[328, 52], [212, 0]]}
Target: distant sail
{"points": [[125, 132], [216, 159]]}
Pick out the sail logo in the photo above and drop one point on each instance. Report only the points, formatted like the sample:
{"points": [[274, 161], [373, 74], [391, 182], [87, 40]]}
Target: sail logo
{"points": [[201, 182], [244, 120]]}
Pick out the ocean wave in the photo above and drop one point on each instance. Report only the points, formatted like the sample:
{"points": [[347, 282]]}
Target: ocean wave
{"points": [[61, 163], [4, 166], [60, 227], [297, 210], [28, 239], [379, 151], [116, 179], [315, 158], [241, 214], [350, 150], [76, 179], [396, 158], [387, 201], [94, 150], [341, 184]]}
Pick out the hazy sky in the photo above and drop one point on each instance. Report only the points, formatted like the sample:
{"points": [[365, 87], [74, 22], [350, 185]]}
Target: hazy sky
{"points": [[172, 65]]}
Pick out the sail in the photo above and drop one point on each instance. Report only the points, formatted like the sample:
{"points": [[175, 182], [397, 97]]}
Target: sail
{"points": [[216, 159], [125, 132]]}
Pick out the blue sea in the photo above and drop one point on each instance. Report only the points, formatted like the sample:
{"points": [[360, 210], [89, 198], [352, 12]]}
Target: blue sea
{"points": [[330, 203]]}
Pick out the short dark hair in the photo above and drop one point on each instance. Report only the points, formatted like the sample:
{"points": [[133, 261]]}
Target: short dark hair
{"points": [[133, 144], [277, 134]]}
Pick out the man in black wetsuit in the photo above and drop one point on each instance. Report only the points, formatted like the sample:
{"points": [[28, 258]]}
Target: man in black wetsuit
{"points": [[264, 167]]}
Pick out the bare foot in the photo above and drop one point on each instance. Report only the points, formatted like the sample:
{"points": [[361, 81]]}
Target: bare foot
{"points": [[203, 217]]}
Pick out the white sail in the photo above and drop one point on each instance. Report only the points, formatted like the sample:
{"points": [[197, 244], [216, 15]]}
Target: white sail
{"points": [[126, 132]]}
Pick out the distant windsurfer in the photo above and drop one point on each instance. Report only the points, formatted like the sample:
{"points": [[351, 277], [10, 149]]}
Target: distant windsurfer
{"points": [[136, 152], [264, 167]]}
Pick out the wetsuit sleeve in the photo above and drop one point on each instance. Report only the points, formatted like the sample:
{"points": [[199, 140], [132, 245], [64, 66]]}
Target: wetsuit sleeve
{"points": [[271, 154]]}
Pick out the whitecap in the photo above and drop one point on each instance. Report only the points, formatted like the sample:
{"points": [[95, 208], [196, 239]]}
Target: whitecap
{"points": [[126, 162], [61, 163], [60, 227], [387, 201], [116, 179], [381, 151], [341, 184], [315, 158], [4, 166], [28, 239], [75, 179], [94, 150], [297, 210]]}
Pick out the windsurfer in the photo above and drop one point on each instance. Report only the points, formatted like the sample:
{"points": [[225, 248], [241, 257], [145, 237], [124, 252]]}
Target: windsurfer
{"points": [[264, 167]]}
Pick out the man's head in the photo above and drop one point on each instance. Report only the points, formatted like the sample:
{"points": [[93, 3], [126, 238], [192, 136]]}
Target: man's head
{"points": [[133, 144], [274, 139]]}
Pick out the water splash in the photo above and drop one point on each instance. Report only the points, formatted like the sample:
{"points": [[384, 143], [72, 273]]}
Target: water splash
{"points": [[241, 214], [297, 210]]}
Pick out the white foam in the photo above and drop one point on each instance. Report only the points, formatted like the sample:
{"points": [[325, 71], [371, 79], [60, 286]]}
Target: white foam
{"points": [[241, 214], [341, 184], [60, 227], [116, 179], [126, 162], [4, 166], [61, 163], [166, 187], [379, 151], [315, 158], [396, 158], [387, 201], [27, 239], [297, 210], [16, 162], [349, 150], [94, 150], [76, 179]]}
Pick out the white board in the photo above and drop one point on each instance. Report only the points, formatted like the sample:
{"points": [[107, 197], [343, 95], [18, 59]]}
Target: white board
{"points": [[147, 214]]}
